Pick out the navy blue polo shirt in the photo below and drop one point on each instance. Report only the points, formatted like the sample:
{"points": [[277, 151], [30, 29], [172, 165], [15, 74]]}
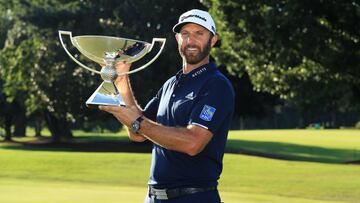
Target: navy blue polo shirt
{"points": [[203, 97]]}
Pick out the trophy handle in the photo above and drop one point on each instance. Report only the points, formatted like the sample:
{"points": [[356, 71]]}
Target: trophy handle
{"points": [[160, 40], [61, 32]]}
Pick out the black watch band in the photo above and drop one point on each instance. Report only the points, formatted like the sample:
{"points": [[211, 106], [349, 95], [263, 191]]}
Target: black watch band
{"points": [[135, 125]]}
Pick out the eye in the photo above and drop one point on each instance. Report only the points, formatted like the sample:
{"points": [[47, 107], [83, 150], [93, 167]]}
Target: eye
{"points": [[199, 33], [184, 34]]}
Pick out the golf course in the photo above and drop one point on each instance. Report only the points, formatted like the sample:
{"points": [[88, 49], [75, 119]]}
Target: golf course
{"points": [[280, 79], [260, 166]]}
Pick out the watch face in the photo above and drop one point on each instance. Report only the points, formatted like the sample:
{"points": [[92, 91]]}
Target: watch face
{"points": [[135, 126]]}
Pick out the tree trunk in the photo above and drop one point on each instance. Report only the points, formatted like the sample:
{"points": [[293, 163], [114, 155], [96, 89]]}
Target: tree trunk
{"points": [[242, 123], [38, 127], [8, 120], [59, 128], [20, 124]]}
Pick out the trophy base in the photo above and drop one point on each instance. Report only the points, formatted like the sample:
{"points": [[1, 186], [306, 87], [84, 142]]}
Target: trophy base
{"points": [[106, 94]]}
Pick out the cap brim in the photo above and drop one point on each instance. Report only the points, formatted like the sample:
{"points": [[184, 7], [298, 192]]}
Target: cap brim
{"points": [[177, 27]]}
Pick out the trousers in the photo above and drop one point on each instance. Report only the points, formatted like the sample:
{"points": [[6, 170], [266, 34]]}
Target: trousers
{"points": [[208, 197]]}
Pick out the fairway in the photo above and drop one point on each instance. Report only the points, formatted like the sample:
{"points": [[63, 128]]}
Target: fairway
{"points": [[328, 146], [37, 175], [66, 192]]}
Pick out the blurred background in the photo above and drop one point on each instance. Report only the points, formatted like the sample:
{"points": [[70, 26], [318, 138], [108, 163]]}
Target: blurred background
{"points": [[293, 64]]}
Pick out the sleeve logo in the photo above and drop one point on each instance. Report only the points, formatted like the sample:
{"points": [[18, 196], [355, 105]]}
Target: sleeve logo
{"points": [[207, 113]]}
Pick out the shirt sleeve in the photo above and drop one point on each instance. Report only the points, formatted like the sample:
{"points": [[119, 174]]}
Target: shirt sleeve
{"points": [[151, 108], [214, 104]]}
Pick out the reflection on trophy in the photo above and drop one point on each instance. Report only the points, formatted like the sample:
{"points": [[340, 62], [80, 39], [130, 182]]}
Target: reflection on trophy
{"points": [[110, 50]]}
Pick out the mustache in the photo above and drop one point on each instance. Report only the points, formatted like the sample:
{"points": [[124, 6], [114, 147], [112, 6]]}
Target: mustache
{"points": [[191, 46]]}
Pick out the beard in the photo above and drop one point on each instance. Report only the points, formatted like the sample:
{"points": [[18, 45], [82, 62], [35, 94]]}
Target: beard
{"points": [[198, 56]]}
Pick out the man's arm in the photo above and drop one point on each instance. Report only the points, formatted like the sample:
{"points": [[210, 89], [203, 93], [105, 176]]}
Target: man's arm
{"points": [[123, 85], [190, 140]]}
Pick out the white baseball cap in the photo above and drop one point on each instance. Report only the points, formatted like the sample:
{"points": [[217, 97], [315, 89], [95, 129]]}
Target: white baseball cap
{"points": [[196, 16]]}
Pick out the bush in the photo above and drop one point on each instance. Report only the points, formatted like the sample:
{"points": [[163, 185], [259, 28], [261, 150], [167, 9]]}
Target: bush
{"points": [[357, 125]]}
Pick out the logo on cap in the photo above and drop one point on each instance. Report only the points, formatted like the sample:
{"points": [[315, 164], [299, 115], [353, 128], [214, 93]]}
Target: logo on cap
{"points": [[195, 16]]}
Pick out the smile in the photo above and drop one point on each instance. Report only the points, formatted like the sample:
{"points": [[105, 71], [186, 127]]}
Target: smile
{"points": [[191, 49]]}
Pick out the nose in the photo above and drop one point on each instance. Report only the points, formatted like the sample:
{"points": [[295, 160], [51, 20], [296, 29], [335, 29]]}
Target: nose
{"points": [[189, 39]]}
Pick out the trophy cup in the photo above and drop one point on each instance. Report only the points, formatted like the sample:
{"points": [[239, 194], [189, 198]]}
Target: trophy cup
{"points": [[109, 50]]}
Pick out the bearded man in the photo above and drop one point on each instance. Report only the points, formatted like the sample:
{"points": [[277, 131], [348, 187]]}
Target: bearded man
{"points": [[187, 120]]}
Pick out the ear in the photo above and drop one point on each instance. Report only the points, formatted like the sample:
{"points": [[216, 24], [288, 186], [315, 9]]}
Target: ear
{"points": [[214, 39]]}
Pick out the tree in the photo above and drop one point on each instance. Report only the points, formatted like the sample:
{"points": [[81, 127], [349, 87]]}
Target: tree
{"points": [[10, 112], [307, 52], [36, 70]]}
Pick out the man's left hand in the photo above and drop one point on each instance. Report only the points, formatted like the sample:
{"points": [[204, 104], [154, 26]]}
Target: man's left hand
{"points": [[126, 115]]}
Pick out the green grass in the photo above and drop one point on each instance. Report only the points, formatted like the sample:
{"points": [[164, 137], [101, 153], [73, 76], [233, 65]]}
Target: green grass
{"points": [[34, 176], [27, 191], [329, 146], [316, 181]]}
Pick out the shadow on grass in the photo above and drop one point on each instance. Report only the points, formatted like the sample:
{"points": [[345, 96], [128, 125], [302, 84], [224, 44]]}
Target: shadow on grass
{"points": [[273, 150], [81, 144], [294, 152]]}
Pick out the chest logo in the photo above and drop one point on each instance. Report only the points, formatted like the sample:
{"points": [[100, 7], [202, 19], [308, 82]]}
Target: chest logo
{"points": [[190, 96], [207, 113]]}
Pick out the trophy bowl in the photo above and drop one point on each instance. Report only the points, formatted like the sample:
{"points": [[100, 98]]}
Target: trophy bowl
{"points": [[94, 47], [108, 51]]}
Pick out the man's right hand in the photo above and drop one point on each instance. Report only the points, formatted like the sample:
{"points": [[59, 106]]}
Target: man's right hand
{"points": [[122, 67]]}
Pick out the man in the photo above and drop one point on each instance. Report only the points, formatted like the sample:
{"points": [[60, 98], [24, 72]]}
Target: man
{"points": [[188, 119]]}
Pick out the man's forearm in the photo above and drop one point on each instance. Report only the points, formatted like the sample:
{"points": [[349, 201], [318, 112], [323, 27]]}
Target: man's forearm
{"points": [[123, 85], [187, 140], [135, 137], [124, 88]]}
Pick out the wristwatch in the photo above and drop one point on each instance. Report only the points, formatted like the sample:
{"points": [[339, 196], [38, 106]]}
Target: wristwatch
{"points": [[135, 125]]}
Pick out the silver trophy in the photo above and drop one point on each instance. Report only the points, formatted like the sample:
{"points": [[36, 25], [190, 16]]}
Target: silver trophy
{"points": [[110, 50]]}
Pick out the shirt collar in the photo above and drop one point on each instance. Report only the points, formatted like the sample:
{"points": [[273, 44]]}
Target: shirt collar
{"points": [[197, 71]]}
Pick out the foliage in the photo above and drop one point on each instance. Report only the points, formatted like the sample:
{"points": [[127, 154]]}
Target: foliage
{"points": [[38, 74], [305, 51], [34, 74], [357, 125]]}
